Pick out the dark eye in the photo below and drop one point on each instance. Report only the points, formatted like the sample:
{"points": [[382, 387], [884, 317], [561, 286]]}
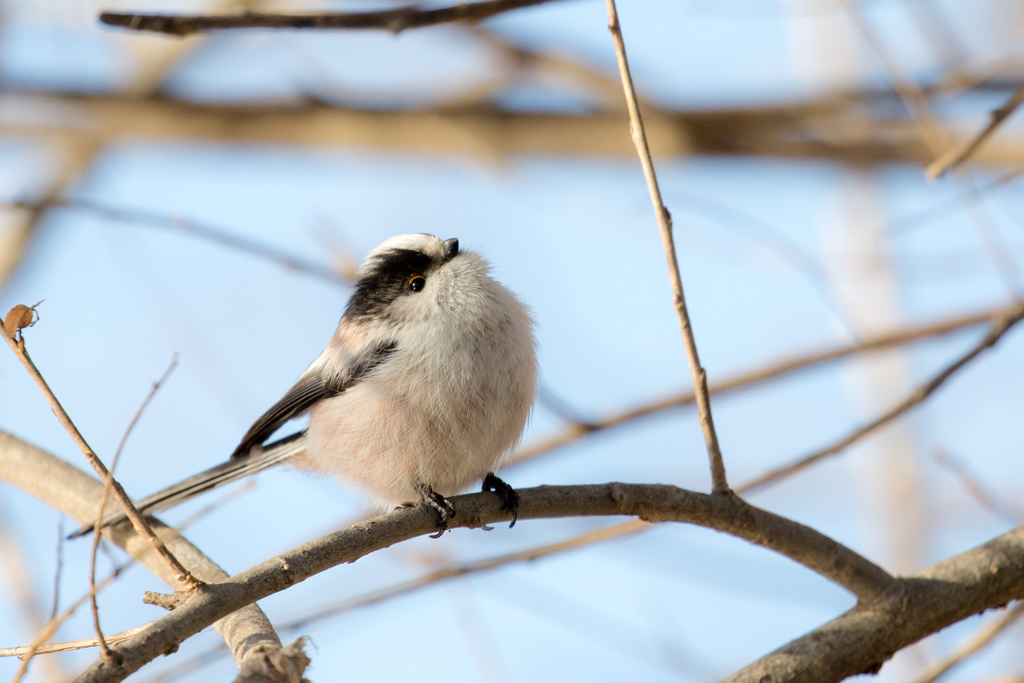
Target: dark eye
{"points": [[417, 282]]}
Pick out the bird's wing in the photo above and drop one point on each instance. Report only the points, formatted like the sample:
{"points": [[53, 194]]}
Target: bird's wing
{"points": [[310, 389]]}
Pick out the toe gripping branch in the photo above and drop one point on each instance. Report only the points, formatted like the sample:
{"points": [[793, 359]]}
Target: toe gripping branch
{"points": [[509, 497], [441, 505]]}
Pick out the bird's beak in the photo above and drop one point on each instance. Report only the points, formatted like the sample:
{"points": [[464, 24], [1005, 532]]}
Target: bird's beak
{"points": [[451, 249]]}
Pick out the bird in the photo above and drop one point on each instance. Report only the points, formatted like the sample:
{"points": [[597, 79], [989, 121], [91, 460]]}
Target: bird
{"points": [[425, 387]]}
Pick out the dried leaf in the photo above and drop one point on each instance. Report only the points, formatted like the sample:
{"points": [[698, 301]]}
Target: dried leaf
{"points": [[18, 318]]}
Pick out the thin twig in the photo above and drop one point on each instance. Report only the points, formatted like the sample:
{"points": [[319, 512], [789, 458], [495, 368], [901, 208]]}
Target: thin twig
{"points": [[912, 96], [112, 639], [977, 490], [59, 569], [719, 483], [394, 20], [452, 572], [962, 152], [999, 328], [181, 575], [104, 650], [764, 374], [982, 638], [37, 647], [194, 228]]}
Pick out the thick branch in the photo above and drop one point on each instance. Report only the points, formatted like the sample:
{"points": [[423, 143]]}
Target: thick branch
{"points": [[394, 20], [76, 494], [656, 503], [861, 640], [828, 128]]}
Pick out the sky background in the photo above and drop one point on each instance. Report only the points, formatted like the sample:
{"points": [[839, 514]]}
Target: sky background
{"points": [[575, 238]]}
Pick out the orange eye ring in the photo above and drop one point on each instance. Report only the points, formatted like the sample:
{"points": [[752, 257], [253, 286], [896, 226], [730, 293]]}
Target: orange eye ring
{"points": [[417, 283]]}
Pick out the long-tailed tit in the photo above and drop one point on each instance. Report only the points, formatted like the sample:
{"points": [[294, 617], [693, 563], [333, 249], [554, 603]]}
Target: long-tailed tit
{"points": [[424, 388]]}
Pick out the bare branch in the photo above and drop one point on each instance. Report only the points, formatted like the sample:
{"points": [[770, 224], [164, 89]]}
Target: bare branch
{"points": [[80, 644], [194, 228], [979, 492], [76, 494], [653, 503], [394, 20], [765, 374], [962, 152], [182, 575], [999, 328], [830, 128], [103, 505], [981, 639], [861, 640], [719, 484]]}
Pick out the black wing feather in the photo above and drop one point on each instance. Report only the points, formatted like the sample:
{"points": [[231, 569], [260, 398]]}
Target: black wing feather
{"points": [[308, 391]]}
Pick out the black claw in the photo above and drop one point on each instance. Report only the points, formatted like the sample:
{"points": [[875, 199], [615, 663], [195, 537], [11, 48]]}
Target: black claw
{"points": [[509, 497], [441, 505]]}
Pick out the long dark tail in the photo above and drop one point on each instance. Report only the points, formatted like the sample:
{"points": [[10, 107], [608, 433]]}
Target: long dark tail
{"points": [[234, 469]]}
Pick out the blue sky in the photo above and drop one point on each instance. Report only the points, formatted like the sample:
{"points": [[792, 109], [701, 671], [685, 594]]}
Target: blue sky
{"points": [[576, 239]]}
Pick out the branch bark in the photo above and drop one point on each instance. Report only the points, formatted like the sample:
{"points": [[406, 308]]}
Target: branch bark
{"points": [[654, 503], [861, 640], [76, 494], [394, 20]]}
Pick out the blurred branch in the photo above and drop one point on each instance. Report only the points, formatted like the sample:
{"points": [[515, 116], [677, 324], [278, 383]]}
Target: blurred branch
{"points": [[862, 639], [831, 127], [104, 648], [999, 327], [654, 503], [183, 576], [81, 644], [719, 484], [456, 571], [79, 151], [76, 494], [394, 20], [980, 493], [196, 229], [765, 374], [962, 152], [981, 639], [913, 97]]}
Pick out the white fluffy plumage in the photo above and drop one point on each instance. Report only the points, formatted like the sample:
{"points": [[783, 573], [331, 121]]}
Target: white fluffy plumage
{"points": [[452, 399]]}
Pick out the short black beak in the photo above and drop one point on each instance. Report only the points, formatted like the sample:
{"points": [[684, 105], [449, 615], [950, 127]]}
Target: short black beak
{"points": [[451, 249]]}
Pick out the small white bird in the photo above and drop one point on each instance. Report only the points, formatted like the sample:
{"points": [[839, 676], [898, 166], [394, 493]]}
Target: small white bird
{"points": [[425, 387]]}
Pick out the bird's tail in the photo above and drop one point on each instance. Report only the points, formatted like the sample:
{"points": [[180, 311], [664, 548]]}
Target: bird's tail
{"points": [[234, 469]]}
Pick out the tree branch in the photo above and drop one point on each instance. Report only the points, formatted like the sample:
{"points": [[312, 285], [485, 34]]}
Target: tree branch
{"points": [[654, 503], [861, 640], [181, 575], [962, 152], [394, 20], [76, 494], [1000, 327], [984, 636], [719, 484], [762, 375]]}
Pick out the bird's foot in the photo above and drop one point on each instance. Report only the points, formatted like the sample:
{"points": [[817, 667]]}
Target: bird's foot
{"points": [[441, 505], [509, 497]]}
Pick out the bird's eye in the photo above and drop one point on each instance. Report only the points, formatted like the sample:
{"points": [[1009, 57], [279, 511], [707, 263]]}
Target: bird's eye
{"points": [[417, 282]]}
